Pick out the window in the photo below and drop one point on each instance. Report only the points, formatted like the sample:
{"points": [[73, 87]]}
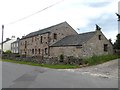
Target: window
{"points": [[46, 51], [32, 51], [25, 44], [55, 36], [39, 51], [35, 51], [41, 39], [35, 38], [16, 44], [105, 47], [25, 53], [99, 37]]}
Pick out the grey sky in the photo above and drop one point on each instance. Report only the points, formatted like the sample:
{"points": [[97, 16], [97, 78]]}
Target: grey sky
{"points": [[82, 14]]}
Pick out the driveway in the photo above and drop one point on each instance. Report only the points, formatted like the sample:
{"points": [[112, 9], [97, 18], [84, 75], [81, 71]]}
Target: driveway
{"points": [[105, 70], [25, 76]]}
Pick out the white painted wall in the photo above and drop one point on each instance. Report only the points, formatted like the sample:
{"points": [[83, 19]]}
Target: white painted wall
{"points": [[7, 45]]}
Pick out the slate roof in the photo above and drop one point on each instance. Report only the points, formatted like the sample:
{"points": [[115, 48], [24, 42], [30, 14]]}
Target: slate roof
{"points": [[6, 40], [45, 30], [74, 40], [15, 41]]}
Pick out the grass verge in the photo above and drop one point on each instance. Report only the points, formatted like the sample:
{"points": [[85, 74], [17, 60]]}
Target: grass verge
{"points": [[59, 66], [94, 60]]}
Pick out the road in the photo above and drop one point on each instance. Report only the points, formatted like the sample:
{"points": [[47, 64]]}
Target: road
{"points": [[25, 76]]}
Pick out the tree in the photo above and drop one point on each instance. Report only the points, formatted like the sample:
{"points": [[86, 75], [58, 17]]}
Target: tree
{"points": [[117, 43]]}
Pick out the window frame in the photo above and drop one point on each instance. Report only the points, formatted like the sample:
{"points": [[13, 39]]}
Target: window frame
{"points": [[35, 51], [99, 37], [105, 47], [54, 35], [39, 51], [41, 39], [32, 51], [46, 51]]}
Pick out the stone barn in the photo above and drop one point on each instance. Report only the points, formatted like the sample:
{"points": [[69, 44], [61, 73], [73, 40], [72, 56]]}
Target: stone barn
{"points": [[82, 45]]}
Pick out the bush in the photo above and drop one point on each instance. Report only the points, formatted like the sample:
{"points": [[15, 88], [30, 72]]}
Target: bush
{"points": [[17, 55], [74, 60], [8, 52], [61, 58], [100, 59]]}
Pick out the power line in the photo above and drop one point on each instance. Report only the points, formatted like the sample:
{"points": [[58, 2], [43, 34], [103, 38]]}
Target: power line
{"points": [[35, 13]]}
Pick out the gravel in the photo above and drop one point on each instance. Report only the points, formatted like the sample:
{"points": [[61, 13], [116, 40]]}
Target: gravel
{"points": [[105, 70]]}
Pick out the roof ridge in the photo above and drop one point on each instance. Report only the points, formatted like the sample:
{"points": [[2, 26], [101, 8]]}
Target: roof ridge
{"points": [[87, 32], [81, 33], [42, 30], [53, 25]]}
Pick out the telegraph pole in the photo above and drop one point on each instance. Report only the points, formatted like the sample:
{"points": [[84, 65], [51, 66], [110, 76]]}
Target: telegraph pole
{"points": [[2, 41]]}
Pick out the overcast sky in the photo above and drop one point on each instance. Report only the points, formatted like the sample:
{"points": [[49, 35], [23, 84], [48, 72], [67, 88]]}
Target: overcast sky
{"points": [[82, 14]]}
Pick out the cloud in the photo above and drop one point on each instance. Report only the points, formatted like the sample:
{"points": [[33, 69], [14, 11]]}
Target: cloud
{"points": [[83, 14], [98, 5]]}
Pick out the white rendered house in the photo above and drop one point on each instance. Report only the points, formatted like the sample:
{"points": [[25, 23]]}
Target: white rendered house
{"points": [[7, 43]]}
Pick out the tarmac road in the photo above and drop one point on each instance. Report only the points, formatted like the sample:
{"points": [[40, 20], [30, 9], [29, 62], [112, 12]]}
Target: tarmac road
{"points": [[25, 76]]}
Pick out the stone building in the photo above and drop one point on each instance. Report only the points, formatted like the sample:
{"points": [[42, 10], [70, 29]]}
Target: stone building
{"points": [[38, 43], [63, 39], [82, 45]]}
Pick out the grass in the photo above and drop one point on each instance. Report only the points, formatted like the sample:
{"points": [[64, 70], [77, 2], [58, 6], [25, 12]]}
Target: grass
{"points": [[94, 60], [59, 66]]}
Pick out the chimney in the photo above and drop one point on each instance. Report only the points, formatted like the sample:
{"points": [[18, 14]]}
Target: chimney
{"points": [[98, 28], [23, 36], [13, 37], [7, 39], [18, 38]]}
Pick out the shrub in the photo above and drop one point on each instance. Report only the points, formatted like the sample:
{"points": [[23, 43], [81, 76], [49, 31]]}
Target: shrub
{"points": [[74, 60], [17, 55], [100, 59], [8, 52], [61, 58]]}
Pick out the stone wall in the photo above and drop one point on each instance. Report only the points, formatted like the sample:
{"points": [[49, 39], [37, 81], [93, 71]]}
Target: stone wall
{"points": [[67, 51], [45, 60]]}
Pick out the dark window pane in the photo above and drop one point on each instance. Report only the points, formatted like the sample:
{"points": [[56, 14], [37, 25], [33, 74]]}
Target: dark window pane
{"points": [[41, 39], [32, 51], [55, 36], [46, 51], [105, 47], [99, 37], [39, 51]]}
